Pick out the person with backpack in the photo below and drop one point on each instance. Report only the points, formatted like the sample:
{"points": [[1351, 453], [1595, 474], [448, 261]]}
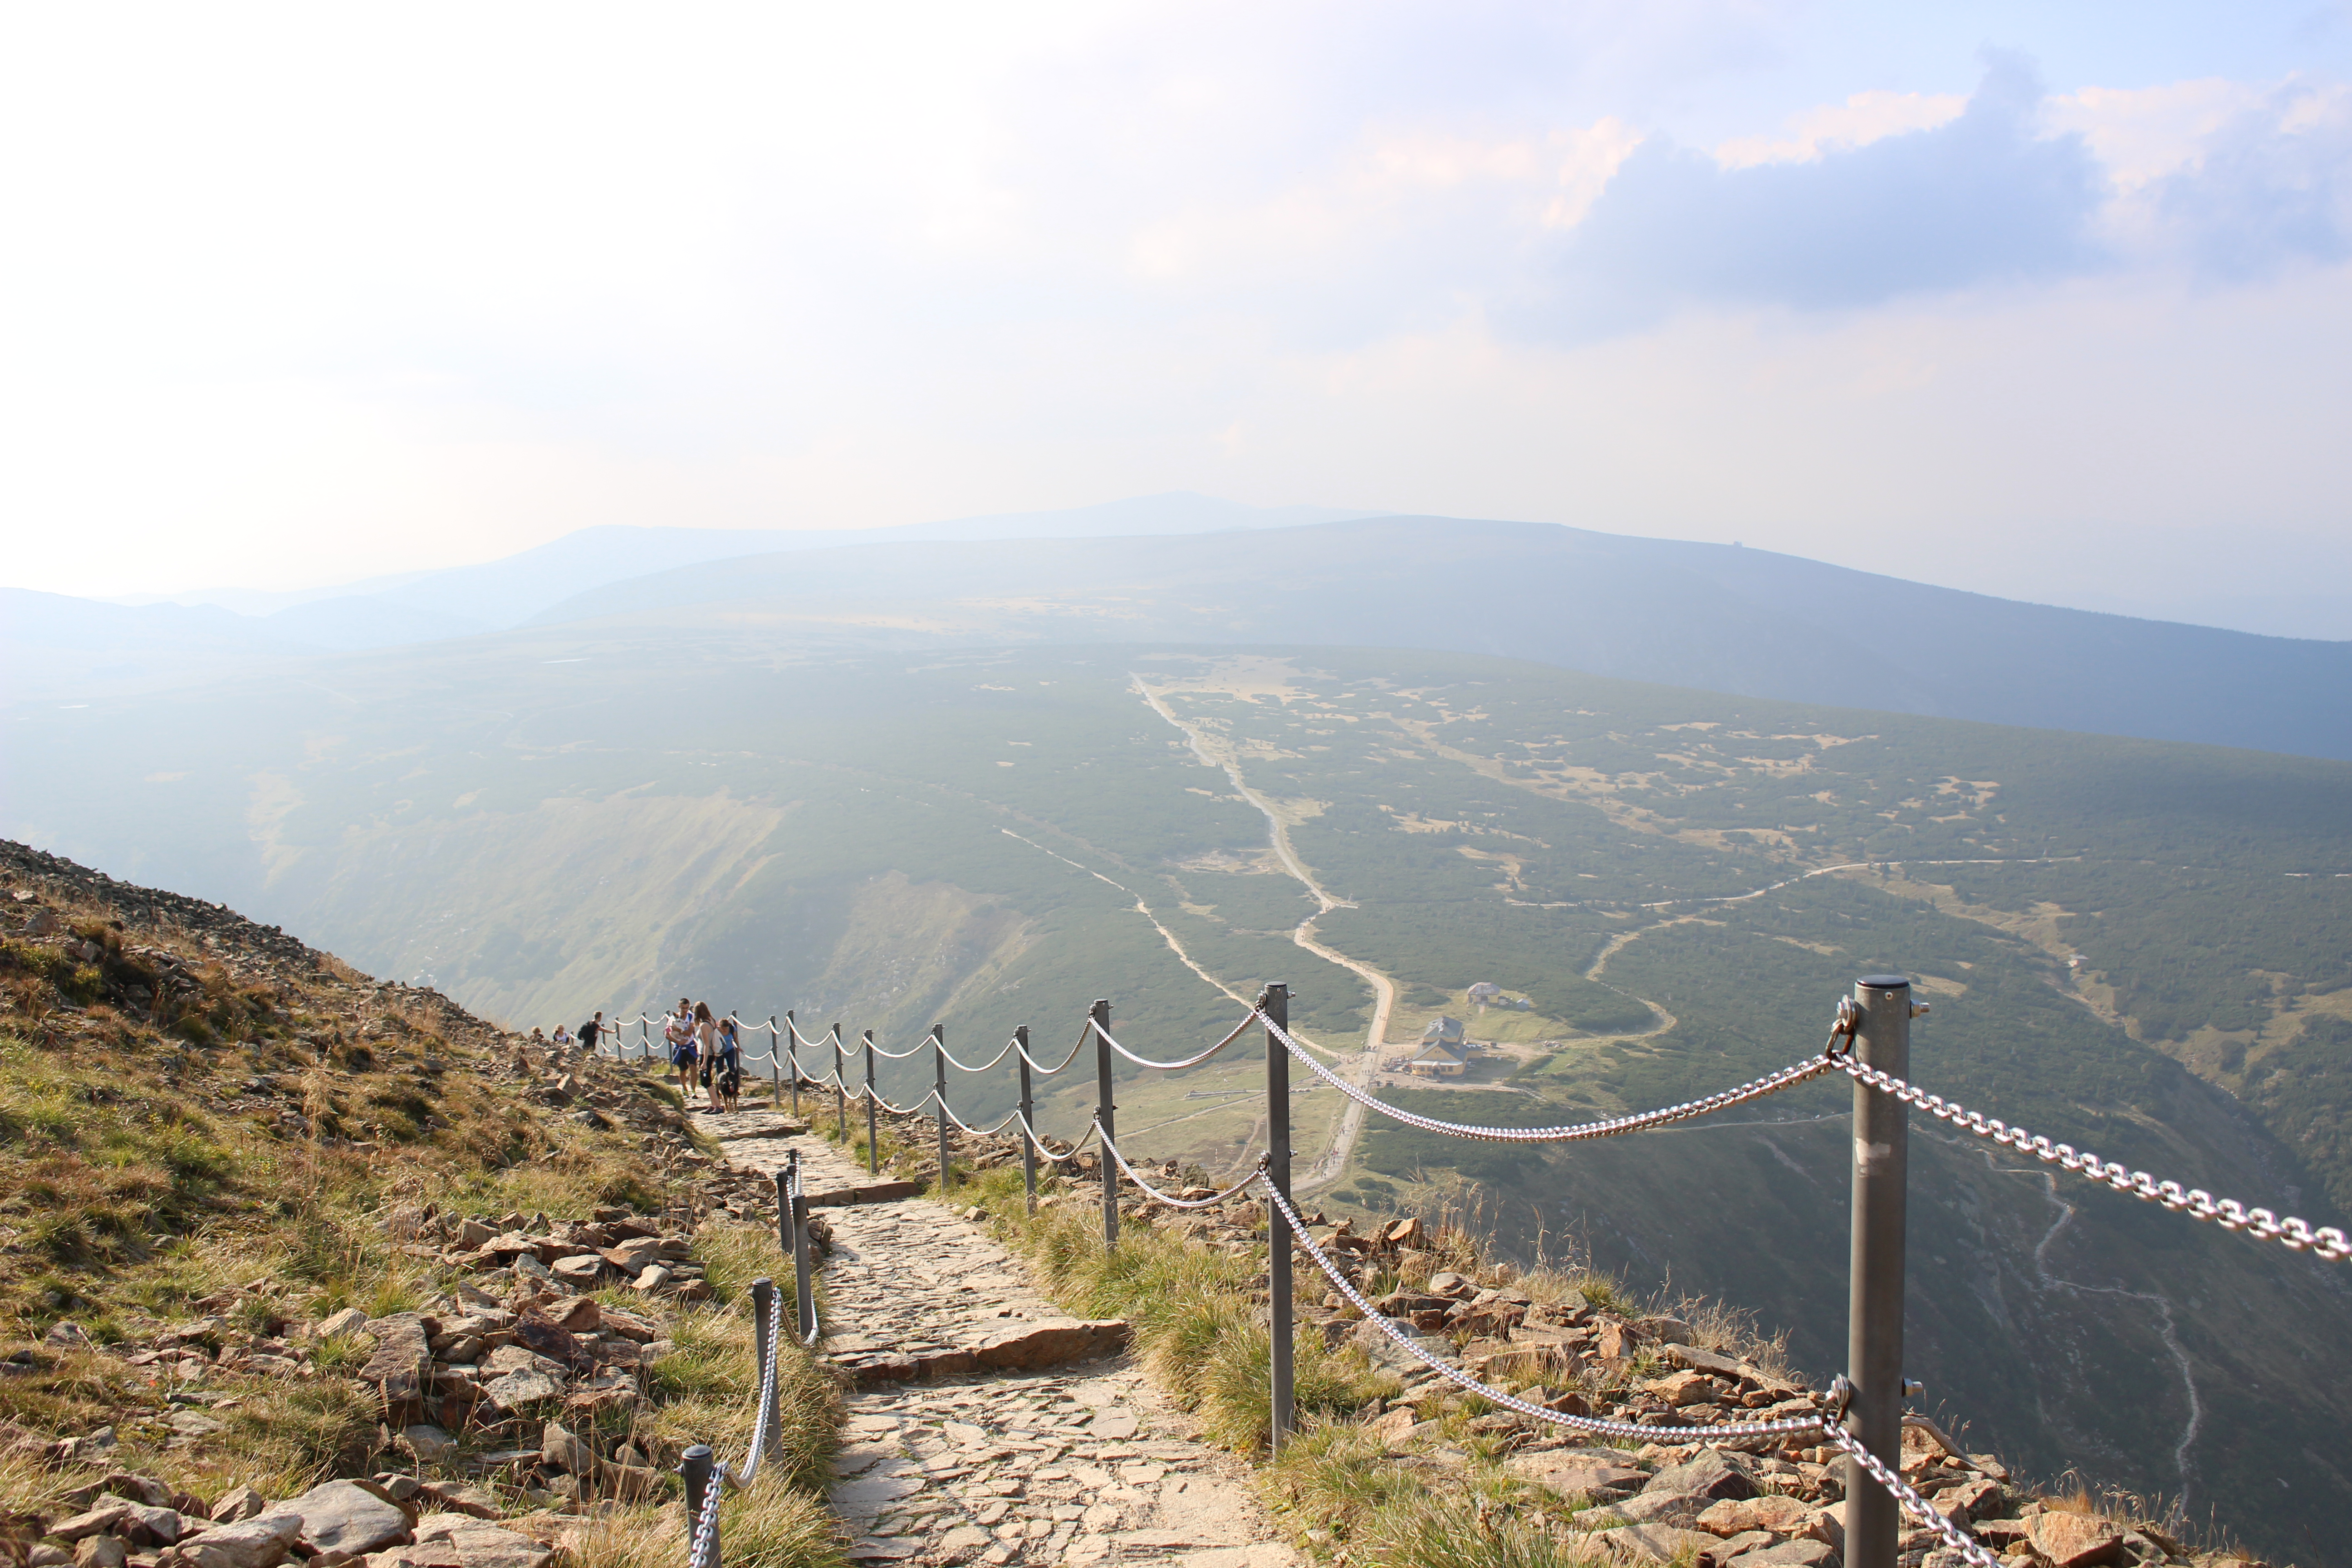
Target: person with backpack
{"points": [[727, 1065], [590, 1032]]}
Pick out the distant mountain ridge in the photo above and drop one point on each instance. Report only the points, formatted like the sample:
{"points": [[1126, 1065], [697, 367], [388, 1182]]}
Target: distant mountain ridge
{"points": [[1716, 617], [1192, 569]]}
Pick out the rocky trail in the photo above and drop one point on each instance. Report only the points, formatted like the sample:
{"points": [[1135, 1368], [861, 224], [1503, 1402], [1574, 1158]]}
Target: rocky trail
{"points": [[987, 1426]]}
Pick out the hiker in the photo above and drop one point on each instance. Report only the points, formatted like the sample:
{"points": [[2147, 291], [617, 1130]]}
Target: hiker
{"points": [[589, 1032], [729, 1065], [679, 1031], [705, 1040], [562, 1039]]}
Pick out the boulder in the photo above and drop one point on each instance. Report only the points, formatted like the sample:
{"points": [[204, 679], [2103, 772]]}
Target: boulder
{"points": [[430, 1444], [1052, 1341], [1788, 1554], [1711, 1473], [262, 1542], [481, 1545], [143, 1526], [66, 1334], [472, 1502], [581, 1273], [403, 1353], [99, 1518], [100, 1552], [1783, 1516], [2076, 1539], [344, 1517], [350, 1320], [521, 1390], [1680, 1509], [1575, 1475], [1657, 1543], [560, 1450], [238, 1502]]}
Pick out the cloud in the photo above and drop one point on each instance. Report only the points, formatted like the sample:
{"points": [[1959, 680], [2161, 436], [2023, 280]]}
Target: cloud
{"points": [[1983, 197], [2272, 187]]}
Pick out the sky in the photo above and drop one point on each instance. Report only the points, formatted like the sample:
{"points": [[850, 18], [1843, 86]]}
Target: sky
{"points": [[2051, 300]]}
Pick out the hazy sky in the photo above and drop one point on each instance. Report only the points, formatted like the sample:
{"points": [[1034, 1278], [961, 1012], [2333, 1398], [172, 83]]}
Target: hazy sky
{"points": [[2053, 299]]}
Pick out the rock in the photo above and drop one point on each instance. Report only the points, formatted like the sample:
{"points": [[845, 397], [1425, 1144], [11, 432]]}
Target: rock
{"points": [[518, 1390], [1052, 1341], [1614, 1340], [1711, 1473], [1962, 1503], [100, 1552], [472, 1502], [560, 1450], [131, 1488], [239, 1502], [1790, 1553], [66, 1334], [652, 1280], [1783, 1516], [429, 1443], [345, 1517], [48, 1557], [580, 1272], [1680, 1509], [581, 1315], [1657, 1543], [350, 1320], [107, 1512], [1681, 1388], [262, 1542], [399, 1487], [629, 1483], [628, 1325], [1392, 1426], [403, 1353], [1576, 1475], [1450, 1284], [144, 1526], [480, 1545], [2076, 1539]]}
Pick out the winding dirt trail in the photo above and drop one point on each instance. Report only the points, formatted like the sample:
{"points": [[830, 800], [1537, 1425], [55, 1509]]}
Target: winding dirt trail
{"points": [[1349, 1126]]}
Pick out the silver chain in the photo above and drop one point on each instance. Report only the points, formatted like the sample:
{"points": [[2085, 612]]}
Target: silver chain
{"points": [[1787, 1078], [1176, 1203], [1191, 1061], [702, 1550], [2296, 1235], [1832, 1435]]}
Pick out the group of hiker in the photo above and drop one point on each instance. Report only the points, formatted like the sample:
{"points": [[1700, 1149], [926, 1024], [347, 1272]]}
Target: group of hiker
{"points": [[705, 1049], [705, 1046]]}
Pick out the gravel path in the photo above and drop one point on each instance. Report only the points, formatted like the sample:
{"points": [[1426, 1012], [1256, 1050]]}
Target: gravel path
{"points": [[1084, 1463]]}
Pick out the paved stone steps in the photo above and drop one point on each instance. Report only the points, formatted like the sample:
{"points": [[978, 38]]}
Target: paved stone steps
{"points": [[1037, 1459]]}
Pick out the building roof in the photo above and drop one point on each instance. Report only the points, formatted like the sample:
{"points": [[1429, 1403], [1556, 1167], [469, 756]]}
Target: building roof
{"points": [[1442, 1028]]}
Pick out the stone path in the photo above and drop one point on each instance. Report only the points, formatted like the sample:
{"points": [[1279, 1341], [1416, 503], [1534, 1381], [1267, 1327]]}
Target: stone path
{"points": [[1084, 1463]]}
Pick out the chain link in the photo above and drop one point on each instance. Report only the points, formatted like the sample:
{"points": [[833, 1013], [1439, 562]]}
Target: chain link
{"points": [[1176, 1203], [2296, 1235], [1787, 1078], [1192, 1061]]}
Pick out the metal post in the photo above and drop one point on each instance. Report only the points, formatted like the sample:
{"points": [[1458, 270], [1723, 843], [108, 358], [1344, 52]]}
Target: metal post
{"points": [[939, 1084], [763, 1349], [840, 1094], [784, 1202], [775, 1065], [1276, 1007], [792, 1047], [873, 1137], [1874, 1313], [1105, 1117], [1028, 1121], [695, 1466]]}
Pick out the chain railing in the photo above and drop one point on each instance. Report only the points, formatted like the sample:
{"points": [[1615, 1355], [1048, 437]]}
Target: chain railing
{"points": [[1869, 1041]]}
